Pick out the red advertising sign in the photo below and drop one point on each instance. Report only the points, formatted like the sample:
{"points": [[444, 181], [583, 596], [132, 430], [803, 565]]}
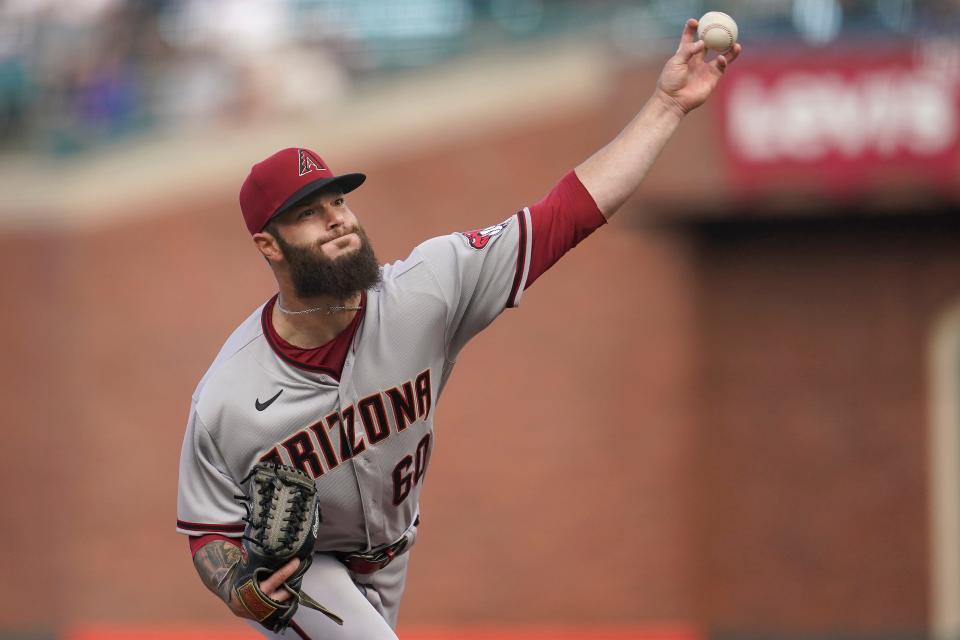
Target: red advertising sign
{"points": [[843, 119]]}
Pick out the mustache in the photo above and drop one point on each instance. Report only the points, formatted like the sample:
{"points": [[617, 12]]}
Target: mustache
{"points": [[344, 232]]}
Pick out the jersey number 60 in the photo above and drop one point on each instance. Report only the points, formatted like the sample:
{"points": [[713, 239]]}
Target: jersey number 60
{"points": [[403, 478]]}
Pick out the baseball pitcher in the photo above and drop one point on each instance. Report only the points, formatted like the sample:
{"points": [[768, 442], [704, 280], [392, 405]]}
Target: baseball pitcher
{"points": [[310, 436]]}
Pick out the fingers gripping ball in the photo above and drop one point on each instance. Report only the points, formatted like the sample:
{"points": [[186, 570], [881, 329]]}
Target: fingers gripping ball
{"points": [[283, 519], [718, 31]]}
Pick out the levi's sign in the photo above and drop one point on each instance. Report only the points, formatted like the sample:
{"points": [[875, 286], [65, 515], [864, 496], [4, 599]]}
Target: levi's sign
{"points": [[844, 118]]}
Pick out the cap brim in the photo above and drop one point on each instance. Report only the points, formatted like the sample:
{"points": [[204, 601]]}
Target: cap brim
{"points": [[346, 183]]}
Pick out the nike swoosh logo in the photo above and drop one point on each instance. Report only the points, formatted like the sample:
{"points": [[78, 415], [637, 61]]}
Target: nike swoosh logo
{"points": [[263, 405]]}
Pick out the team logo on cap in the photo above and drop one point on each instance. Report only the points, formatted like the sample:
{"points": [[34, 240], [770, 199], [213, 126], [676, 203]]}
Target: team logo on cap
{"points": [[309, 163], [479, 239]]}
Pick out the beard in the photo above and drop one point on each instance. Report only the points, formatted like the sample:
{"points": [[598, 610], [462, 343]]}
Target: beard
{"points": [[314, 274]]}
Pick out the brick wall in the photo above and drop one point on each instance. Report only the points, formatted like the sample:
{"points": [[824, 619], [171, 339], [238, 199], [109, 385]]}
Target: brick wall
{"points": [[812, 442]]}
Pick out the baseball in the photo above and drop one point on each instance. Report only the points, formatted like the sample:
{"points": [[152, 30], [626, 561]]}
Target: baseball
{"points": [[718, 31]]}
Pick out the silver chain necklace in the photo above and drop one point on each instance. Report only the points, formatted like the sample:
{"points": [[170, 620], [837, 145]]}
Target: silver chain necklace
{"points": [[329, 310]]}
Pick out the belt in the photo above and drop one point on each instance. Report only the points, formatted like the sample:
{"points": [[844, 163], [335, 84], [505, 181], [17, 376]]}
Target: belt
{"points": [[369, 561]]}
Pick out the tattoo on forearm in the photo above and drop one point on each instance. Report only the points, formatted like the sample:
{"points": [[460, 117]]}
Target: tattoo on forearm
{"points": [[216, 562]]}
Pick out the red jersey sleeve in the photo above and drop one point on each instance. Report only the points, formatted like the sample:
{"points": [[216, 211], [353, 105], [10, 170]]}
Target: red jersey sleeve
{"points": [[198, 541], [567, 215]]}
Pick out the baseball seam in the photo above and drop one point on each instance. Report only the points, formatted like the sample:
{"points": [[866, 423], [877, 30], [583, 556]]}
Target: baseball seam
{"points": [[725, 30]]}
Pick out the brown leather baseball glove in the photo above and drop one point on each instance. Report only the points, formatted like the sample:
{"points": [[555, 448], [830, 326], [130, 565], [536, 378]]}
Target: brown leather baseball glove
{"points": [[282, 521]]}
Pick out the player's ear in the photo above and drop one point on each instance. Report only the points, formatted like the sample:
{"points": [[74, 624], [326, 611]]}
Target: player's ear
{"points": [[268, 246]]}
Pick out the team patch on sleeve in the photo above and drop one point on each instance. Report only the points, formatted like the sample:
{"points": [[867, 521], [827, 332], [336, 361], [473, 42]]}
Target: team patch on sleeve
{"points": [[478, 239]]}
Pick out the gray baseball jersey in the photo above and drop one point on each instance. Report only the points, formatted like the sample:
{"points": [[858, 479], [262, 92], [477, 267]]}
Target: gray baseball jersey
{"points": [[366, 438]]}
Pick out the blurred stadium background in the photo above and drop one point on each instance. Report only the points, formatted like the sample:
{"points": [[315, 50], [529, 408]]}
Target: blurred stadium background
{"points": [[734, 413]]}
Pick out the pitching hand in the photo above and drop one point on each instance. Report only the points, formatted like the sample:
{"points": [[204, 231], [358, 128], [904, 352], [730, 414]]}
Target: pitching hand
{"points": [[688, 79]]}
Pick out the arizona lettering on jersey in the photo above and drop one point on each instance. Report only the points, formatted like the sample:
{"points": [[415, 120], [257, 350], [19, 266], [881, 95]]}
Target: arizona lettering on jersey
{"points": [[334, 439]]}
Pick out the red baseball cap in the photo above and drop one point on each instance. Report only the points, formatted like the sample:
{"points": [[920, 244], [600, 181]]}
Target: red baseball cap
{"points": [[278, 183]]}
